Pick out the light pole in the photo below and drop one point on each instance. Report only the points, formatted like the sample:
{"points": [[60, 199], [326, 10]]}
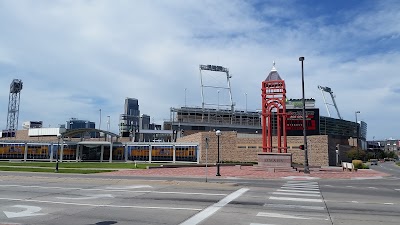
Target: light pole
{"points": [[357, 131], [218, 133], [58, 149], [306, 168], [108, 123], [218, 101], [246, 100], [185, 97]]}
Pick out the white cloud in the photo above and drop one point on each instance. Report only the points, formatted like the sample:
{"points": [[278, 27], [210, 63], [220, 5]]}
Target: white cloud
{"points": [[77, 57]]}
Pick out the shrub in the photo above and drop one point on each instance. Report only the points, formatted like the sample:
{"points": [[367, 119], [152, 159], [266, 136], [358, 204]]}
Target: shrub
{"points": [[365, 166], [358, 164]]}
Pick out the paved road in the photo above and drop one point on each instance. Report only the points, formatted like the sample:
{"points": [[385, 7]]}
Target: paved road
{"points": [[47, 199]]}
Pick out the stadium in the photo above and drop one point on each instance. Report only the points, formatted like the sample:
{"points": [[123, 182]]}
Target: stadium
{"points": [[193, 137]]}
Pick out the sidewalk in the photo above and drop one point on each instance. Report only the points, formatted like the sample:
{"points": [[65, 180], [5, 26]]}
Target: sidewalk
{"points": [[250, 172]]}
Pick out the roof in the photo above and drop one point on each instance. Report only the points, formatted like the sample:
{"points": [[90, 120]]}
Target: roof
{"points": [[73, 132], [273, 75]]}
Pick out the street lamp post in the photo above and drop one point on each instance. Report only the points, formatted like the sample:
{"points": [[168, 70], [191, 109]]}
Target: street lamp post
{"points": [[246, 100], [218, 101], [218, 133], [306, 168], [185, 97], [357, 131], [58, 149]]}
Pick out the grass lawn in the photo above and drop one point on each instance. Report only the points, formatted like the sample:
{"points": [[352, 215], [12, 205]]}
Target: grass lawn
{"points": [[52, 170], [83, 165]]}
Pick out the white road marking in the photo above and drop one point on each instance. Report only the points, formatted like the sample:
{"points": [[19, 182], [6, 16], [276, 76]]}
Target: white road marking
{"points": [[261, 224], [29, 211], [199, 217], [129, 187], [300, 178], [301, 188], [366, 178], [301, 182], [349, 186], [299, 191], [92, 196], [278, 215], [373, 187], [112, 190], [397, 189], [294, 206], [388, 203], [295, 199], [327, 185], [354, 201], [99, 205], [296, 194]]}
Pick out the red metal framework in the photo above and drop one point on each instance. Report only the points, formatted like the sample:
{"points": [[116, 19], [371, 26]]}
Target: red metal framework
{"points": [[274, 102]]}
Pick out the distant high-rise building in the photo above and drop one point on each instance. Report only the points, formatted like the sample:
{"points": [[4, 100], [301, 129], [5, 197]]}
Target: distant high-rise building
{"points": [[129, 121], [32, 124], [74, 123], [131, 107]]}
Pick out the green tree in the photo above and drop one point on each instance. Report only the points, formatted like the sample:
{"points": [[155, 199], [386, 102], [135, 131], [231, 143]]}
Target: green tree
{"points": [[356, 154]]}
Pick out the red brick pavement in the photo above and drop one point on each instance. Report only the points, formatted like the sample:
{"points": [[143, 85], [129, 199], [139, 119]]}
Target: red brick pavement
{"points": [[250, 173]]}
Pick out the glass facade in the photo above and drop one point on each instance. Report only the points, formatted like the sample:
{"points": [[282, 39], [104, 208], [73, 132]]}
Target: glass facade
{"points": [[160, 152]]}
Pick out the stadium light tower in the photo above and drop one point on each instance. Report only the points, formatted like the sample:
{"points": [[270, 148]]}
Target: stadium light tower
{"points": [[13, 107], [207, 85]]}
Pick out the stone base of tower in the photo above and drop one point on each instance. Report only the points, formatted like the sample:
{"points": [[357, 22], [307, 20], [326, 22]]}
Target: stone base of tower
{"points": [[274, 162]]}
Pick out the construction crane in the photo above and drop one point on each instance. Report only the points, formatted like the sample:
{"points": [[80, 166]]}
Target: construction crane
{"points": [[329, 90]]}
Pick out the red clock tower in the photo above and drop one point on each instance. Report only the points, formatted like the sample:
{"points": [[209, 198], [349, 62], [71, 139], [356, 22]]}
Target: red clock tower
{"points": [[274, 109]]}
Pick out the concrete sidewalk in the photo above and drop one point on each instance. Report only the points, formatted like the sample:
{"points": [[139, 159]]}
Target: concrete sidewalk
{"points": [[250, 172]]}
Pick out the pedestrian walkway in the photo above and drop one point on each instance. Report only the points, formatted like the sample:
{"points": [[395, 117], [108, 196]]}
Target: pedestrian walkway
{"points": [[249, 172], [295, 200]]}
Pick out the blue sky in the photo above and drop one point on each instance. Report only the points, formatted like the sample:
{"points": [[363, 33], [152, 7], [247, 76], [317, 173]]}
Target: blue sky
{"points": [[76, 57]]}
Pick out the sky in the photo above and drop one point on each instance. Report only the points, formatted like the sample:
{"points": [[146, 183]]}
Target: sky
{"points": [[77, 57]]}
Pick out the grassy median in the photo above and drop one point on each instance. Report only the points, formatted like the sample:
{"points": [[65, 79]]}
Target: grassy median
{"points": [[70, 167]]}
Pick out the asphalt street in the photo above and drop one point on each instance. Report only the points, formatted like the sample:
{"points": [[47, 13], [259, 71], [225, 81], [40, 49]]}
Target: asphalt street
{"points": [[47, 199]]}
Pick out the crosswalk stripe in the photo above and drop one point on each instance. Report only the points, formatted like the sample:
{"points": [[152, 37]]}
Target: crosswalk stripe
{"points": [[296, 194], [278, 215], [301, 182], [261, 224], [300, 185], [295, 199], [294, 206], [301, 188], [298, 191]]}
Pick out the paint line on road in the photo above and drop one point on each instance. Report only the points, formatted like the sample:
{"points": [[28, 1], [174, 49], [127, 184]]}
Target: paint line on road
{"points": [[261, 224], [100, 205], [301, 188], [295, 199], [296, 194], [372, 187], [328, 185], [113, 190], [285, 216], [294, 206], [301, 182], [298, 191], [349, 186], [388, 203], [199, 217], [366, 178]]}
